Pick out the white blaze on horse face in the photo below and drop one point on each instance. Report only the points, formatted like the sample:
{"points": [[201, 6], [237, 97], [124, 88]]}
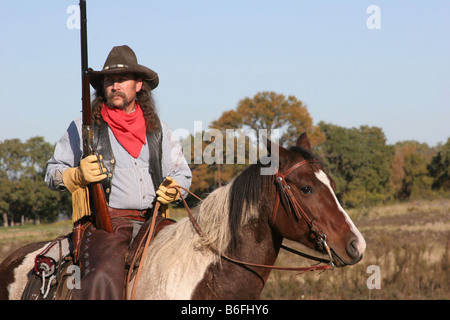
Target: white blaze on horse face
{"points": [[361, 242]]}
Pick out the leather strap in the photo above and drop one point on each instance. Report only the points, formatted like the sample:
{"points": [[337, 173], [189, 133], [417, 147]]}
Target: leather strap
{"points": [[295, 207], [215, 250], [149, 234], [140, 215]]}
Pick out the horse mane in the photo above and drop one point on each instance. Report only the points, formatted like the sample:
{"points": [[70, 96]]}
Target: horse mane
{"points": [[306, 154], [250, 189], [221, 216], [248, 195]]}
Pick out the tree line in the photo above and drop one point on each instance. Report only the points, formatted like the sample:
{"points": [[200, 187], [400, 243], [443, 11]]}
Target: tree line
{"points": [[24, 196], [366, 169]]}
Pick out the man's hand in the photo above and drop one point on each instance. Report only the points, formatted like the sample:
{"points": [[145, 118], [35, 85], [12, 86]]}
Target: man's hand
{"points": [[166, 193], [87, 172]]}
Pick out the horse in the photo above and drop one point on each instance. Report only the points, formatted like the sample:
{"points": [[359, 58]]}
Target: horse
{"points": [[229, 250]]}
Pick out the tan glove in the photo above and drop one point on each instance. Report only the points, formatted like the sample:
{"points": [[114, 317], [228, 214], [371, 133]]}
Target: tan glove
{"points": [[165, 193], [87, 172]]}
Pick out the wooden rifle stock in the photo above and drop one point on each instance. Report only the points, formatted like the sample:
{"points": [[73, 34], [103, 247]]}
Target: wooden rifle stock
{"points": [[101, 211], [97, 194]]}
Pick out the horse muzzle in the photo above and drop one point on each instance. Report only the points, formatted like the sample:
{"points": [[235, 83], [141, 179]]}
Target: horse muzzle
{"points": [[354, 252]]}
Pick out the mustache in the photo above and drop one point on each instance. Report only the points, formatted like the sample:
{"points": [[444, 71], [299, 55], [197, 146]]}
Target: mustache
{"points": [[118, 93], [110, 96]]}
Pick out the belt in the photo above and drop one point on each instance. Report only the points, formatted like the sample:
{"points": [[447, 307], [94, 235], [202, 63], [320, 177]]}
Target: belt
{"points": [[141, 215]]}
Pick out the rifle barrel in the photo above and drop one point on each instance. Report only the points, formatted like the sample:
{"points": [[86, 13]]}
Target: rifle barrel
{"points": [[98, 195], [83, 31], [85, 89]]}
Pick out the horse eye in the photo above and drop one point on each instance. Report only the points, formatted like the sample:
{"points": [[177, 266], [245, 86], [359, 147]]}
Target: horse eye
{"points": [[307, 189]]}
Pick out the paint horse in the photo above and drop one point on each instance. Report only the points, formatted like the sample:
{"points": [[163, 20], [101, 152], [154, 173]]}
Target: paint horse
{"points": [[243, 225]]}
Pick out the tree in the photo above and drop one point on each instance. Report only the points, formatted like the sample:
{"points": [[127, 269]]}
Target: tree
{"points": [[39, 199], [269, 110], [12, 158], [253, 118], [359, 160], [207, 176], [409, 177], [5, 191], [11, 168], [439, 168], [23, 192]]}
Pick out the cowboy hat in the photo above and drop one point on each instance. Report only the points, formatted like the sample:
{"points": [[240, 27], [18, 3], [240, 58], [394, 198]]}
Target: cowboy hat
{"points": [[122, 59]]}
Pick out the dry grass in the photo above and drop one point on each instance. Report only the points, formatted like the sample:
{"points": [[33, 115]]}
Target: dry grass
{"points": [[401, 209], [410, 242], [14, 237]]}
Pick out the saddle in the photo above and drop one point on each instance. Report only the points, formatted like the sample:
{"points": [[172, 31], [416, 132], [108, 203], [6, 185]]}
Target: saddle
{"points": [[55, 274]]}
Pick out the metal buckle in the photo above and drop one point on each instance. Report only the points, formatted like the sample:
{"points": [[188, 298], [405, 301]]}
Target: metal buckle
{"points": [[323, 241]]}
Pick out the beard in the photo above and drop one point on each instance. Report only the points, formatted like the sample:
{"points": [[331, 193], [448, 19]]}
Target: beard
{"points": [[125, 101]]}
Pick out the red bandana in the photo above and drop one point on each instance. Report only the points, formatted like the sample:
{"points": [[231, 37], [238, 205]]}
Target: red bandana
{"points": [[129, 129]]}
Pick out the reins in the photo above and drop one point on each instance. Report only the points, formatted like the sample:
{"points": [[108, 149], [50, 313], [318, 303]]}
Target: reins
{"points": [[223, 255], [149, 235], [287, 194]]}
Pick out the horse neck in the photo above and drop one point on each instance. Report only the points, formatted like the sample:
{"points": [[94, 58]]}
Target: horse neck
{"points": [[257, 243], [250, 238], [257, 239]]}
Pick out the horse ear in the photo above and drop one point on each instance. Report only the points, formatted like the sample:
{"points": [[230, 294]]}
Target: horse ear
{"points": [[303, 142], [272, 146]]}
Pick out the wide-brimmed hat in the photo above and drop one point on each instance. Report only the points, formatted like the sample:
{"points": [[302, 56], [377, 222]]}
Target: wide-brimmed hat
{"points": [[122, 59]]}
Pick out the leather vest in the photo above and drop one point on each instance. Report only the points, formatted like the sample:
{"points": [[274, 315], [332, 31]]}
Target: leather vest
{"points": [[103, 146]]}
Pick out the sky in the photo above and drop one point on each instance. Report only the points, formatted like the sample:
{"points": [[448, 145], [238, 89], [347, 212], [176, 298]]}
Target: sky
{"points": [[349, 63]]}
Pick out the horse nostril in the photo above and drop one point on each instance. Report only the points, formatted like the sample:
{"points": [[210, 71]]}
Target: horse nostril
{"points": [[352, 249]]}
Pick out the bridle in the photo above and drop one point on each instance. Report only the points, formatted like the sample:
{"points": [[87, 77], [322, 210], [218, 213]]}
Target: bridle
{"points": [[294, 207]]}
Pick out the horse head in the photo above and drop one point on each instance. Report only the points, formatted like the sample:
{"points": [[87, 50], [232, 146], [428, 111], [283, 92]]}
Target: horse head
{"points": [[306, 209]]}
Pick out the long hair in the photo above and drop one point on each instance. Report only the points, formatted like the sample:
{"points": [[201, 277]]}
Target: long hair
{"points": [[143, 97]]}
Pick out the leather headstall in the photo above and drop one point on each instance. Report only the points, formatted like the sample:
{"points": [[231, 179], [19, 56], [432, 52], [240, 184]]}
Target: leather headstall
{"points": [[294, 207]]}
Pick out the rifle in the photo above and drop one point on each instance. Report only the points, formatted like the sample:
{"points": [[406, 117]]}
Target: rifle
{"points": [[97, 194]]}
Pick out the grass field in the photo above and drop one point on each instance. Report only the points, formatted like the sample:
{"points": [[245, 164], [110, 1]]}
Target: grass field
{"points": [[14, 237], [409, 243]]}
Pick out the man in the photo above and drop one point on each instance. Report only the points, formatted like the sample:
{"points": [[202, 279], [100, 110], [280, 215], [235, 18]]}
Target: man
{"points": [[137, 150]]}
